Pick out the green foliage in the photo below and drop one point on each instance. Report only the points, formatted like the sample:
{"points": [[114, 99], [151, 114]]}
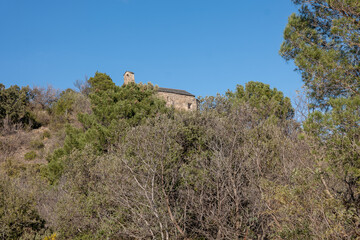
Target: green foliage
{"points": [[19, 218], [129, 168], [14, 106], [68, 106], [13, 168], [133, 102], [37, 144], [218, 103], [267, 102], [65, 104], [53, 171], [46, 134], [337, 133], [183, 164], [101, 82], [30, 155], [301, 206], [51, 237], [113, 109], [323, 40]]}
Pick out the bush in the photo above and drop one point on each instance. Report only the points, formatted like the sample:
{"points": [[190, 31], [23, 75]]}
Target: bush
{"points": [[51, 237], [69, 105], [30, 155], [19, 218], [46, 134], [14, 107], [179, 162], [11, 144], [13, 168], [37, 144]]}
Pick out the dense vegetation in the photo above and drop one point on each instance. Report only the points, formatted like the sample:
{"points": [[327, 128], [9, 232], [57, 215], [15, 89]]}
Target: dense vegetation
{"points": [[111, 162]]}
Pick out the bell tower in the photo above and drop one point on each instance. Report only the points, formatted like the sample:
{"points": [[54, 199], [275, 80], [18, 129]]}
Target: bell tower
{"points": [[129, 77]]}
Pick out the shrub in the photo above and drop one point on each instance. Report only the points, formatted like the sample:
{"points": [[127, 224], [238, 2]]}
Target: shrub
{"points": [[30, 155], [14, 107], [13, 168], [46, 134], [51, 237], [37, 144], [19, 218]]}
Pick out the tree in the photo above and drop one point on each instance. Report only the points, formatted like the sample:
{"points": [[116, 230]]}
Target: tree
{"points": [[113, 109], [83, 86], [267, 102], [323, 39], [43, 98], [338, 144], [101, 82], [14, 107]]}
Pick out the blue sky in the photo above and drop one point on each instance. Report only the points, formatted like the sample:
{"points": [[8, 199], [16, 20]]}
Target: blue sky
{"points": [[202, 46]]}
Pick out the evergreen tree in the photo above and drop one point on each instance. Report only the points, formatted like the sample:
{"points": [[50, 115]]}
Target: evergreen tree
{"points": [[324, 41], [101, 82], [14, 106], [266, 101], [113, 110]]}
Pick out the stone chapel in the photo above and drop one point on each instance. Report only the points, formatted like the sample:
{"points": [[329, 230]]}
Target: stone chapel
{"points": [[179, 99]]}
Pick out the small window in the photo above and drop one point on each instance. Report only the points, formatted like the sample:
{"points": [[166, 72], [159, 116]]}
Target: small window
{"points": [[189, 105]]}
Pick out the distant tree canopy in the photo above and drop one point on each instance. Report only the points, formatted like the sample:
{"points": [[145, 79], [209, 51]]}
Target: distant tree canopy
{"points": [[268, 102], [324, 41]]}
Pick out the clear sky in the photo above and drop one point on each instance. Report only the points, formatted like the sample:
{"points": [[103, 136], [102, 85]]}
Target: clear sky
{"points": [[202, 46]]}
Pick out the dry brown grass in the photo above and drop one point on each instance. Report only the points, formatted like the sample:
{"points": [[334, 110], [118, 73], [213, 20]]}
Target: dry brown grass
{"points": [[14, 146]]}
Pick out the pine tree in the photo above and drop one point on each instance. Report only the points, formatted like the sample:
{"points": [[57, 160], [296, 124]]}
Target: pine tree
{"points": [[323, 39]]}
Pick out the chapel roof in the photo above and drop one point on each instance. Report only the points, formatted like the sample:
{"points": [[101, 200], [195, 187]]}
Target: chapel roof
{"points": [[176, 91], [128, 72]]}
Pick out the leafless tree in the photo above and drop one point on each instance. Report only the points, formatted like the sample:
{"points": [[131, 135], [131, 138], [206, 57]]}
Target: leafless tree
{"points": [[83, 86], [44, 97]]}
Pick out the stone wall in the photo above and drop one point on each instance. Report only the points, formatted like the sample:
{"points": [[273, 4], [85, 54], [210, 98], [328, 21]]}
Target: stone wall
{"points": [[129, 77], [180, 102]]}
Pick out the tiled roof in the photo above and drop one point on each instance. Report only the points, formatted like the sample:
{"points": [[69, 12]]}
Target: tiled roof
{"points": [[176, 91]]}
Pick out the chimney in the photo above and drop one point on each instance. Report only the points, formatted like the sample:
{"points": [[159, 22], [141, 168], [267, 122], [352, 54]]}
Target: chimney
{"points": [[129, 77]]}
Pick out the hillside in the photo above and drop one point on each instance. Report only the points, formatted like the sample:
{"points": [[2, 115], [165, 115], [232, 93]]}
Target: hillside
{"points": [[115, 162], [136, 161]]}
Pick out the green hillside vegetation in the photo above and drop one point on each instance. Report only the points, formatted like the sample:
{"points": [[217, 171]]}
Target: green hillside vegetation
{"points": [[113, 162]]}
